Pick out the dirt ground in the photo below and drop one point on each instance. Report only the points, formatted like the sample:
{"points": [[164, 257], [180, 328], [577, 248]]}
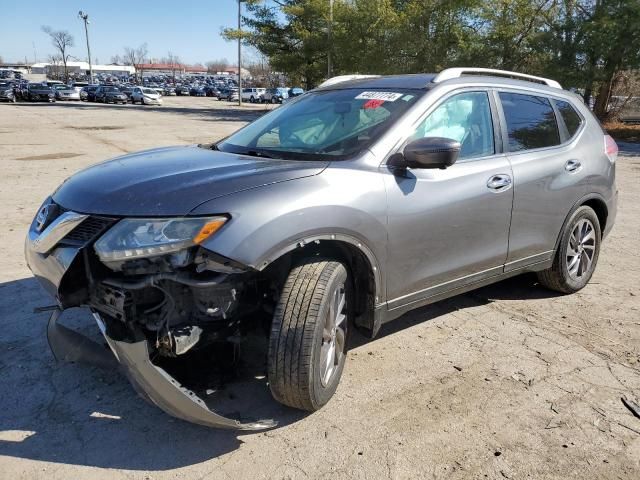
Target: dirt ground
{"points": [[510, 381]]}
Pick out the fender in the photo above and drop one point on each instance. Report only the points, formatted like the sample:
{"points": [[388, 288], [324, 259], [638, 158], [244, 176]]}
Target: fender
{"points": [[320, 208]]}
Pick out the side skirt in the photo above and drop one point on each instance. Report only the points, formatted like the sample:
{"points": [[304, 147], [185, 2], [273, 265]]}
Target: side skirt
{"points": [[393, 313]]}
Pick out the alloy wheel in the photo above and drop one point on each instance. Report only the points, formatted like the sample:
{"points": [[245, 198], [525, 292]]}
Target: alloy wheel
{"points": [[581, 249], [334, 335]]}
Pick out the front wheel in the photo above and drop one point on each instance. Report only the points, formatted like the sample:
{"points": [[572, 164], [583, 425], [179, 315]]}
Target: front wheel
{"points": [[577, 254], [308, 340]]}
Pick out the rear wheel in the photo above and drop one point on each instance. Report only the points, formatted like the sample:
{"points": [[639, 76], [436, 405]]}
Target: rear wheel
{"points": [[307, 345], [577, 254]]}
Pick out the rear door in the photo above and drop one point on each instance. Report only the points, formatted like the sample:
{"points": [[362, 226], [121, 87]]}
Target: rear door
{"points": [[547, 173], [450, 227]]}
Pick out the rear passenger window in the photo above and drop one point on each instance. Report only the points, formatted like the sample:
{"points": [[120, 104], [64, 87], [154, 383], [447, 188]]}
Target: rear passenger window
{"points": [[531, 121], [571, 118]]}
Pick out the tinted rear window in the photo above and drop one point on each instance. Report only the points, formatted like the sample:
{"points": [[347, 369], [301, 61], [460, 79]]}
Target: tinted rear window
{"points": [[571, 118], [531, 121]]}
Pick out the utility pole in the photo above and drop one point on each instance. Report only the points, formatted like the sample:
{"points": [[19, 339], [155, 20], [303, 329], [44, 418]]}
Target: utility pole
{"points": [[239, 53], [85, 17], [329, 66]]}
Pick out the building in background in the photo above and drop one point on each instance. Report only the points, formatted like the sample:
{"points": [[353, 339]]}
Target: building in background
{"points": [[82, 69]]}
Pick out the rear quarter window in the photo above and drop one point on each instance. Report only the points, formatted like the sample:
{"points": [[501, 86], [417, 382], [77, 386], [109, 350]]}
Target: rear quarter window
{"points": [[571, 118], [531, 121]]}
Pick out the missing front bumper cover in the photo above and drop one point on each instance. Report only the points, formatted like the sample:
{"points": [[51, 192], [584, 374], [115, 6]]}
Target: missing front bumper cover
{"points": [[149, 380]]}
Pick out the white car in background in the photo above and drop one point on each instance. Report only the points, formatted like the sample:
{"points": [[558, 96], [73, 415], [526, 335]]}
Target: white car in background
{"points": [[65, 92], [253, 95], [145, 96]]}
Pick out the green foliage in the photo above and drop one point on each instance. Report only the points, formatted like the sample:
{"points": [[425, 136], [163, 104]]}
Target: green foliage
{"points": [[584, 44]]}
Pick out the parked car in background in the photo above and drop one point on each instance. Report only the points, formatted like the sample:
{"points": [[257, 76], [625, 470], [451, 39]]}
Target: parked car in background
{"points": [[295, 92], [88, 93], [275, 95], [253, 94], [110, 94], [66, 92], [146, 96], [229, 94], [211, 91], [197, 91], [39, 92], [127, 91], [169, 91], [7, 93], [182, 90]]}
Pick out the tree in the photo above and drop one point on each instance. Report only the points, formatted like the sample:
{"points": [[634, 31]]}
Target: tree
{"points": [[588, 45], [136, 57], [55, 61], [291, 33], [62, 41], [612, 40], [219, 65], [174, 63]]}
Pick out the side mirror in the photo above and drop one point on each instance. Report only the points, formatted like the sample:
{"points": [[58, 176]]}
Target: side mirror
{"points": [[428, 152]]}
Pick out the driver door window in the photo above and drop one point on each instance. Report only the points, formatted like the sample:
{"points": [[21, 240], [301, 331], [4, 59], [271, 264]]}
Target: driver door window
{"points": [[465, 117]]}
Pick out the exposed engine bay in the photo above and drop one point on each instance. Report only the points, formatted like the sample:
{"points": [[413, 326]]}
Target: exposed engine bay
{"points": [[178, 310]]}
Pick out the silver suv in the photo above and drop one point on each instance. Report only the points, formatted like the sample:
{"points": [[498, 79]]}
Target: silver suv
{"points": [[346, 207]]}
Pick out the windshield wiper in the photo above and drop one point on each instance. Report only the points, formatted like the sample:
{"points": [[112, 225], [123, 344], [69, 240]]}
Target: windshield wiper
{"points": [[256, 153]]}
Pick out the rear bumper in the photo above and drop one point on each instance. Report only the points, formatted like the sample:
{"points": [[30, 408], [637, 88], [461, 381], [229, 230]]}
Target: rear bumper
{"points": [[612, 212]]}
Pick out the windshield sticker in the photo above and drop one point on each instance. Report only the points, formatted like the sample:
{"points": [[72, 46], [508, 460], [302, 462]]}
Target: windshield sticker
{"points": [[384, 96], [371, 104], [406, 98]]}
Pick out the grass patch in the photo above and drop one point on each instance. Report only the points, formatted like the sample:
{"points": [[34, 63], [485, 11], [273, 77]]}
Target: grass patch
{"points": [[623, 131]]}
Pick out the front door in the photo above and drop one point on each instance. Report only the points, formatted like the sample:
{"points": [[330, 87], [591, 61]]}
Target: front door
{"points": [[450, 227]]}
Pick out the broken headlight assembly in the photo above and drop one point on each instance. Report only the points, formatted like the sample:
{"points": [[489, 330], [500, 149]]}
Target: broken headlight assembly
{"points": [[135, 238]]}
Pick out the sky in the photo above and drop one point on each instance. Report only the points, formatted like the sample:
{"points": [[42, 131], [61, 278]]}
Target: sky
{"points": [[188, 28]]}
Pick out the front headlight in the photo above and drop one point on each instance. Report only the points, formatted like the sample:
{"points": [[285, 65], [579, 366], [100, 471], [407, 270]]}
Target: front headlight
{"points": [[148, 237]]}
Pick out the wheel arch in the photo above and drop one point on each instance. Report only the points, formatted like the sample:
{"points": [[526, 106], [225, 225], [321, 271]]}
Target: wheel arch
{"points": [[360, 261], [597, 203]]}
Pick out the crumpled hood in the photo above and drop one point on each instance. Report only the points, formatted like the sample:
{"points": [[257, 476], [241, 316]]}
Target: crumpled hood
{"points": [[172, 181]]}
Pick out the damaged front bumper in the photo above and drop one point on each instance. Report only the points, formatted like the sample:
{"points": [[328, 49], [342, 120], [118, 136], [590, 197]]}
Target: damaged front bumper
{"points": [[150, 381], [56, 250]]}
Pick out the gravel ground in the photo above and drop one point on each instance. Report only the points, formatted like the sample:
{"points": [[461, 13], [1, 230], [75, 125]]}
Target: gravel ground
{"points": [[510, 381]]}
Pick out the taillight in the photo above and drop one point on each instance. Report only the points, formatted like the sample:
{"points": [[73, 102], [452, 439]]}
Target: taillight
{"points": [[610, 148]]}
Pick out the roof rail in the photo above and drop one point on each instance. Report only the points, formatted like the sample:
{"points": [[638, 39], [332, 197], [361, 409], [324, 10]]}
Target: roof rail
{"points": [[343, 78], [450, 73]]}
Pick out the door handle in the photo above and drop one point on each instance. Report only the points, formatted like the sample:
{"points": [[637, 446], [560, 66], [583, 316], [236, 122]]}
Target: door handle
{"points": [[499, 183], [572, 166]]}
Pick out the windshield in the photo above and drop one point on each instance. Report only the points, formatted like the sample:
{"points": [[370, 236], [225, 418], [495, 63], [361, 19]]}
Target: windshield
{"points": [[37, 86], [60, 87], [149, 91], [338, 123], [111, 89]]}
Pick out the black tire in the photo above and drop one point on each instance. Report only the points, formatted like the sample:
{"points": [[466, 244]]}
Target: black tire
{"points": [[296, 339], [558, 277]]}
